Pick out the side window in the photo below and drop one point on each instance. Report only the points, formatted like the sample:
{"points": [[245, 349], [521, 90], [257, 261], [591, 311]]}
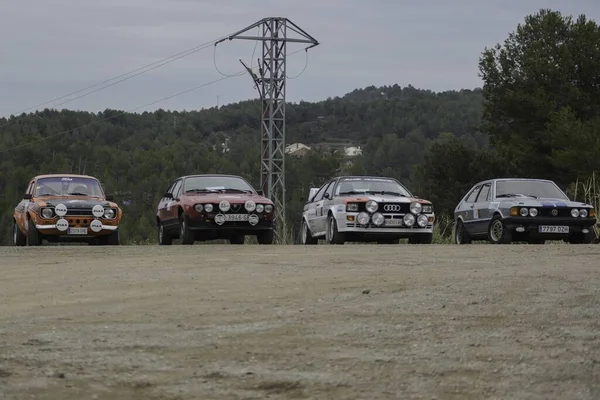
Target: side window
{"points": [[30, 188], [176, 189], [473, 195], [170, 189], [484, 194], [320, 193], [329, 190]]}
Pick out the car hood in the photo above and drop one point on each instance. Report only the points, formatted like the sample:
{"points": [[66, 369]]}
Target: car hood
{"points": [[235, 198], [382, 199], [70, 203], [543, 202]]}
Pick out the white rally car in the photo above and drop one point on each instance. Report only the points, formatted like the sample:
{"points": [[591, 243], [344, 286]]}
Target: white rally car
{"points": [[365, 209]]}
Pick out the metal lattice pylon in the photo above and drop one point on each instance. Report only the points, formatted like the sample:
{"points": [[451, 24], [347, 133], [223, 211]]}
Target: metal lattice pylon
{"points": [[270, 83]]}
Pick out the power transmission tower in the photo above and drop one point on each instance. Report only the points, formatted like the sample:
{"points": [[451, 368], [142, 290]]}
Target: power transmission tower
{"points": [[270, 83]]}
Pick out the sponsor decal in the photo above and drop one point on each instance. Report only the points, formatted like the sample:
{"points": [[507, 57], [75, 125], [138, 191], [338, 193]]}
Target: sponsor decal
{"points": [[494, 205], [339, 208], [475, 213], [66, 179]]}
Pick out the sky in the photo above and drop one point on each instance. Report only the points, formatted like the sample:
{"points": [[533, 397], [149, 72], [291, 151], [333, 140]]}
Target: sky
{"points": [[49, 49]]}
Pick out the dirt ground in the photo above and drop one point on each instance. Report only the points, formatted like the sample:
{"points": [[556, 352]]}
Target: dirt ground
{"points": [[300, 322]]}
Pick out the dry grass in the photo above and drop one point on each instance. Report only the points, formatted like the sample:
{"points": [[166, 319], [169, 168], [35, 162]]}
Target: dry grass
{"points": [[587, 191]]}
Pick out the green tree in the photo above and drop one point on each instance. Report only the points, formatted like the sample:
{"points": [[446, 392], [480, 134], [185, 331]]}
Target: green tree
{"points": [[542, 94]]}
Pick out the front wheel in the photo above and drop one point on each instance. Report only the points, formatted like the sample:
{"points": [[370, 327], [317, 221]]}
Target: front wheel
{"points": [[164, 238], [421, 238], [185, 234], [240, 239], [33, 235], [305, 235], [265, 237], [498, 233], [460, 234], [18, 238], [583, 238], [333, 235]]}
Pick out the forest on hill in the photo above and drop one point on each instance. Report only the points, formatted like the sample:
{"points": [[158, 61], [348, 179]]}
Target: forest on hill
{"points": [[535, 116]]}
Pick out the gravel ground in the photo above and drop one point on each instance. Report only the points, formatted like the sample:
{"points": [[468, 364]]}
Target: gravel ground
{"points": [[300, 322]]}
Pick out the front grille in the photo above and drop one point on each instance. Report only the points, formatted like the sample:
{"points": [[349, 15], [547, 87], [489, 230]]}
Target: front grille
{"points": [[84, 212], [560, 212], [388, 208]]}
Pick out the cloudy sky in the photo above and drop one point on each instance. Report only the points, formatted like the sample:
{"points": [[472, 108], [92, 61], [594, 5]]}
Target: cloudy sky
{"points": [[51, 48]]}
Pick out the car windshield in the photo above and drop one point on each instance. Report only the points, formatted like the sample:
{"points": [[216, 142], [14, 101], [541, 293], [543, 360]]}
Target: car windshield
{"points": [[534, 189], [349, 186], [68, 186], [216, 184]]}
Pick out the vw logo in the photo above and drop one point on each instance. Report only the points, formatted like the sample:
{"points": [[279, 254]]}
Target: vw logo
{"points": [[555, 212], [391, 207]]}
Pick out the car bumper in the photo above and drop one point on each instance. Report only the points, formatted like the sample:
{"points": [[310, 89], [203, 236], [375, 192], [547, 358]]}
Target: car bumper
{"points": [[531, 225], [347, 223], [240, 227]]}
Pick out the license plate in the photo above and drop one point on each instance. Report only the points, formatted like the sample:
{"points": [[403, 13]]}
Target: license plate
{"points": [[236, 217], [393, 222], [77, 231], [553, 229]]}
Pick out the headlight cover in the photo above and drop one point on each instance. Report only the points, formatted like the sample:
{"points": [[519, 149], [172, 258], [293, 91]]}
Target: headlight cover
{"points": [[198, 207], [416, 208], [352, 207], [109, 213], [47, 213], [268, 208], [427, 208], [208, 207], [575, 213], [533, 212], [422, 220], [409, 220], [260, 208], [224, 206], [372, 206], [378, 219], [524, 212], [362, 218], [583, 213]]}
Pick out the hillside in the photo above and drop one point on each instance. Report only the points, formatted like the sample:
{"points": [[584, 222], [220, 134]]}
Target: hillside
{"points": [[137, 155]]}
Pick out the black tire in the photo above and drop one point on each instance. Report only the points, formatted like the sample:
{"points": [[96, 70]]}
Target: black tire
{"points": [[112, 239], [583, 238], [305, 234], [185, 234], [536, 241], [240, 239], [332, 234], [460, 234], [265, 237], [164, 239], [421, 238], [497, 231], [33, 235], [19, 239]]}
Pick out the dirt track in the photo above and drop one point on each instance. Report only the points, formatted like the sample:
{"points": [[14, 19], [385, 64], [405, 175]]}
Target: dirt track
{"points": [[318, 322]]}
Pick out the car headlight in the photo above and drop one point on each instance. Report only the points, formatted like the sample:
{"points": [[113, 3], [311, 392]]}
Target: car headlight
{"points": [[427, 209], [524, 212], [260, 208], [250, 206], [208, 207], [268, 208], [416, 208], [352, 207], [224, 206], [583, 213], [378, 219], [199, 207], [109, 213], [533, 212], [362, 218], [372, 206], [47, 213], [409, 220], [422, 220], [575, 213]]}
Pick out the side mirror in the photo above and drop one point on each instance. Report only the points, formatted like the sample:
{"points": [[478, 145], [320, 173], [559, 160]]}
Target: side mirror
{"points": [[110, 197], [168, 195], [326, 196], [27, 196], [260, 193]]}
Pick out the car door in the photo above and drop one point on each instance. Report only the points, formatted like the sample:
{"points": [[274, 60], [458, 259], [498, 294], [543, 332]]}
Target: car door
{"points": [[481, 209], [466, 210], [316, 212], [321, 209], [165, 205], [23, 206]]}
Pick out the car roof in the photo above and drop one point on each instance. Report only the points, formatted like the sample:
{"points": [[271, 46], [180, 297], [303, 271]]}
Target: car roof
{"points": [[364, 177], [210, 175], [64, 176]]}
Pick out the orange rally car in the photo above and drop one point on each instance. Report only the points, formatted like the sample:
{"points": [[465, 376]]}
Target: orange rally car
{"points": [[66, 208]]}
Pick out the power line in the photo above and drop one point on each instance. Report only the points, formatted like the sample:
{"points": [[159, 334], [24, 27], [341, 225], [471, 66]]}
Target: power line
{"points": [[130, 110], [135, 72]]}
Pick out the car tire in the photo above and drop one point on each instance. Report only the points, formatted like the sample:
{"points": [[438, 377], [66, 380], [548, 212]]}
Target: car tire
{"points": [[265, 237], [460, 234], [389, 241], [112, 239], [583, 238], [19, 239], [497, 231], [332, 234], [240, 239], [185, 234], [306, 237], [164, 239], [33, 235], [421, 238]]}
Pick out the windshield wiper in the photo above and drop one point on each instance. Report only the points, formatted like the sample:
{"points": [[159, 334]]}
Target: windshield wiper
{"points": [[386, 192], [203, 190], [46, 194], [351, 192], [78, 194], [515, 195], [237, 190]]}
